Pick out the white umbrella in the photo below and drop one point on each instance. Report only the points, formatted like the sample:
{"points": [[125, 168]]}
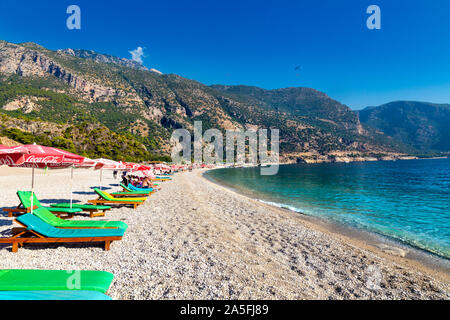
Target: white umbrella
{"points": [[106, 164]]}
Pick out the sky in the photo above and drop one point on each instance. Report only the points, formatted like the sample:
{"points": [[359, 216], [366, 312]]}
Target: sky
{"points": [[324, 44]]}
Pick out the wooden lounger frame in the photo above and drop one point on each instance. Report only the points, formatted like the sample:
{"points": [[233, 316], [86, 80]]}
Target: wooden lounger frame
{"points": [[19, 210], [34, 237], [92, 212], [101, 201], [134, 195], [144, 195]]}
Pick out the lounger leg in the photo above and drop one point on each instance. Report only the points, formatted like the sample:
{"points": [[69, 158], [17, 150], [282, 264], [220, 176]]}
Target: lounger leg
{"points": [[107, 245], [15, 246]]}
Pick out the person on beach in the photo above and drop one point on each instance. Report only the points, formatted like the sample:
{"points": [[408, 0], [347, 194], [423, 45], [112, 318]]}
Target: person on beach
{"points": [[125, 180]]}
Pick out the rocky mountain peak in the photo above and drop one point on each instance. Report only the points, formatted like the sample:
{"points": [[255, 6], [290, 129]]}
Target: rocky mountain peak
{"points": [[102, 58]]}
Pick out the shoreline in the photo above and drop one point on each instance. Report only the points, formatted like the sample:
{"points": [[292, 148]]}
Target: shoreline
{"points": [[416, 258]]}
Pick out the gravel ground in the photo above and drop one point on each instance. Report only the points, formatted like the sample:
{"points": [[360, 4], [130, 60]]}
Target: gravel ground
{"points": [[197, 240]]}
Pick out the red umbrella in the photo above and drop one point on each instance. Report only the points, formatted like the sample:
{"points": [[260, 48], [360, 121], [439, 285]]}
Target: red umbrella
{"points": [[130, 165], [36, 156]]}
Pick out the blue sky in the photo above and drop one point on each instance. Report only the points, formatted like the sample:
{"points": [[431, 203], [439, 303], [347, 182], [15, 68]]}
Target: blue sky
{"points": [[271, 44]]}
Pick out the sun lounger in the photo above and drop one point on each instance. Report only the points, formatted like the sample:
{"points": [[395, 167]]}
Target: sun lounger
{"points": [[131, 194], [125, 188], [53, 295], [37, 231], [51, 219], [146, 191], [106, 198], [133, 188], [94, 211], [50, 280], [25, 206], [164, 177], [160, 179]]}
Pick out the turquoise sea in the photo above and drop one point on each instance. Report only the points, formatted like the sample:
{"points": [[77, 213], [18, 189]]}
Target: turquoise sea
{"points": [[407, 201]]}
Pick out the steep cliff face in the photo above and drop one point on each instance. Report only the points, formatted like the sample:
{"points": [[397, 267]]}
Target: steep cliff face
{"points": [[31, 60], [74, 86]]}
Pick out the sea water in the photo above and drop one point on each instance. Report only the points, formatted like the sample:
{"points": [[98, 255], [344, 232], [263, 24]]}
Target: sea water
{"points": [[405, 200]]}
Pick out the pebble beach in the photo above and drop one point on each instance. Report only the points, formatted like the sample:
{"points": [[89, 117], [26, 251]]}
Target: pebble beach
{"points": [[194, 239]]}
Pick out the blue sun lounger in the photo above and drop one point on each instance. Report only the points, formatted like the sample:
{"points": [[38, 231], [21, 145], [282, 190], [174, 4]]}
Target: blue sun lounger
{"points": [[133, 188], [37, 231], [53, 295]]}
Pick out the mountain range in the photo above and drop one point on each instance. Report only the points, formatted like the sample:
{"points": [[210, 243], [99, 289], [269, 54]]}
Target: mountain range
{"points": [[99, 105]]}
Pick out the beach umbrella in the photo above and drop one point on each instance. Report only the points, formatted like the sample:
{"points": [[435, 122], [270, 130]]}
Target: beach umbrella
{"points": [[149, 174], [162, 166], [36, 156], [130, 166], [107, 164], [147, 171], [87, 164]]}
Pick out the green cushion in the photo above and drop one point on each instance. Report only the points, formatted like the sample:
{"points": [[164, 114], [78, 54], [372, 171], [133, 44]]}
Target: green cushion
{"points": [[25, 199], [80, 206], [107, 197], [47, 280], [131, 193], [51, 219], [64, 210]]}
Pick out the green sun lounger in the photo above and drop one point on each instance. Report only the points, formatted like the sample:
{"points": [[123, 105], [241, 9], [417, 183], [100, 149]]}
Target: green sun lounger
{"points": [[36, 230], [131, 193], [94, 211], [53, 295], [50, 280], [25, 198], [79, 206], [48, 217], [25, 206], [106, 198]]}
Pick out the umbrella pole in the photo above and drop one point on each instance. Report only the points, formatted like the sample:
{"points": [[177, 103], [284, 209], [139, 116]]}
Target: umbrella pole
{"points": [[71, 186], [32, 189], [101, 174]]}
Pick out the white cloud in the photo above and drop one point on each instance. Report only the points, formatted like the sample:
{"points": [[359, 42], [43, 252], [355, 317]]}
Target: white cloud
{"points": [[137, 54]]}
